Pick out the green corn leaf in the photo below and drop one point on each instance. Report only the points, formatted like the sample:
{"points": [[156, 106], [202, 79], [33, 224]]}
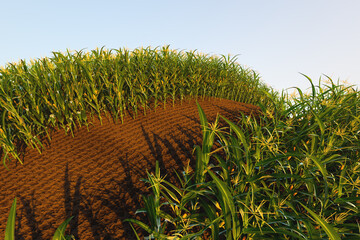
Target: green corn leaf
{"points": [[146, 228], [320, 123], [211, 214], [10, 226], [203, 121], [152, 210], [141, 224], [60, 231], [312, 85], [137, 236], [227, 198], [346, 200], [330, 231], [239, 133], [200, 165], [277, 231], [319, 165]]}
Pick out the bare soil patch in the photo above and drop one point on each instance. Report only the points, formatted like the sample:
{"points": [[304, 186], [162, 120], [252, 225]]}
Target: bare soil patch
{"points": [[96, 175]]}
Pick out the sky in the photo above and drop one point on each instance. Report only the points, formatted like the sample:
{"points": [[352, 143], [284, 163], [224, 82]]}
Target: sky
{"points": [[279, 39]]}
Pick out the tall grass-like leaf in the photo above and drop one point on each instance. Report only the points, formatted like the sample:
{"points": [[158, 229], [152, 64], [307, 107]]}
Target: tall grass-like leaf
{"points": [[141, 224], [10, 226], [203, 123], [313, 89], [330, 231], [211, 213], [60, 231], [231, 219], [239, 133], [152, 212], [277, 232], [137, 236], [241, 136], [319, 165], [320, 123], [199, 165], [341, 181], [203, 154], [147, 228]]}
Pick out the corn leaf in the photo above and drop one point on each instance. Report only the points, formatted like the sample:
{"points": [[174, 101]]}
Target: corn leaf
{"points": [[10, 226], [330, 231]]}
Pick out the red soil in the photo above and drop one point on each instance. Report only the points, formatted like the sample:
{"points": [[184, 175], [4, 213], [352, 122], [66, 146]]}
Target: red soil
{"points": [[96, 176]]}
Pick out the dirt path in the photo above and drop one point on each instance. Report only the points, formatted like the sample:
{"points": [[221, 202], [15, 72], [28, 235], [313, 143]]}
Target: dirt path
{"points": [[95, 176]]}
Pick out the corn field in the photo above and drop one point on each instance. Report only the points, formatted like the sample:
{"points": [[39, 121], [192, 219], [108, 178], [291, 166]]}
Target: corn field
{"points": [[64, 91], [291, 173]]}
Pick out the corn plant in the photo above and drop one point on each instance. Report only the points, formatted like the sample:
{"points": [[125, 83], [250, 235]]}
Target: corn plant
{"points": [[69, 89], [10, 227], [292, 172]]}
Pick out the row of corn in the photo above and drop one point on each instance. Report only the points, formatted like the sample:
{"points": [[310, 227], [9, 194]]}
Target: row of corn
{"points": [[293, 172], [67, 89]]}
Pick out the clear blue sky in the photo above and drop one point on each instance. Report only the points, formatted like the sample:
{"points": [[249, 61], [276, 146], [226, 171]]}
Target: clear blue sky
{"points": [[276, 38]]}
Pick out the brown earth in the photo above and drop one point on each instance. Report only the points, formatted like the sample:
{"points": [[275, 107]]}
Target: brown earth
{"points": [[96, 175]]}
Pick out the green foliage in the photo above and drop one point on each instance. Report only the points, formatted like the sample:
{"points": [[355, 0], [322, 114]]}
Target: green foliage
{"points": [[10, 227], [60, 231], [293, 172], [330, 231], [66, 90]]}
